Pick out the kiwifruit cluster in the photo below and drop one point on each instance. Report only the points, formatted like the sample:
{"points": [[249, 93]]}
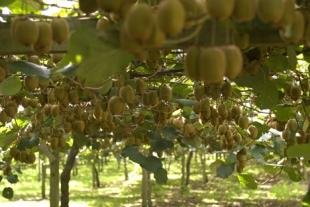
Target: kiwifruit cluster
{"points": [[211, 64], [39, 34], [24, 156]]}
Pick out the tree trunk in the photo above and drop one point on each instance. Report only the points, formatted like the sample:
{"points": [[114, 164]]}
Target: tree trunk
{"points": [[203, 167], [39, 168], [146, 189], [95, 175], [54, 180], [188, 167], [43, 188], [125, 169], [66, 175]]}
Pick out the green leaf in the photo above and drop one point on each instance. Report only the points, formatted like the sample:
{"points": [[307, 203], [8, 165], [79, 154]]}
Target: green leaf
{"points": [[293, 173], [284, 113], [98, 59], [277, 63], [28, 68], [225, 170], [10, 86], [185, 102], [292, 57], [12, 179], [299, 150], [8, 193], [5, 2], [6, 138], [247, 181], [161, 176], [264, 88]]}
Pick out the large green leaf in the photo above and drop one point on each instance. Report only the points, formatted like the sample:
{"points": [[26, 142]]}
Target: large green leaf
{"points": [[98, 59], [10, 86], [293, 173], [6, 2], [247, 181], [299, 150], [265, 89], [6, 138], [283, 113], [28, 68], [224, 170]]}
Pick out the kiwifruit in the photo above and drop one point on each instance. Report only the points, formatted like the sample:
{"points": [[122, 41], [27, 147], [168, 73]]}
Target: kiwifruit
{"points": [[116, 105], [30, 158], [157, 38], [244, 10], [110, 5], [296, 30], [127, 93], [199, 91], [295, 92], [55, 110], [45, 41], [197, 107], [171, 17], [31, 82], [220, 9], [240, 166], [292, 125], [243, 122], [192, 63], [67, 126], [60, 29], [242, 155], [189, 130], [154, 99], [78, 126], [11, 109], [2, 74], [222, 129], [289, 12], [88, 6], [74, 96], [270, 11], [140, 86], [140, 22], [4, 117], [222, 110], [237, 137], [146, 98], [253, 131], [102, 23], [165, 92], [212, 65], [26, 31], [234, 61], [61, 142], [193, 9]]}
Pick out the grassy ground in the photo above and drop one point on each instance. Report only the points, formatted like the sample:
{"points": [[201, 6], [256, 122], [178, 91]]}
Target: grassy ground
{"points": [[116, 192]]}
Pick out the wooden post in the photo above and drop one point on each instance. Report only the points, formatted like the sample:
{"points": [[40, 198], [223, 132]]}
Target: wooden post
{"points": [[54, 180], [43, 194]]}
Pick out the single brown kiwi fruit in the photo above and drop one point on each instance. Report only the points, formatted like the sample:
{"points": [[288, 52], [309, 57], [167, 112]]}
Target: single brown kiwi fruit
{"points": [[88, 6], [234, 61], [244, 10], [127, 93], [289, 13], [253, 131], [60, 27], [243, 122], [140, 86], [270, 11], [226, 90], [110, 5], [295, 92], [212, 65], [220, 9], [4, 117], [292, 125], [191, 63], [171, 17], [193, 9], [45, 41], [31, 83], [11, 109], [297, 29], [157, 38], [140, 22], [154, 99], [116, 105], [26, 31], [78, 126], [102, 23], [165, 92]]}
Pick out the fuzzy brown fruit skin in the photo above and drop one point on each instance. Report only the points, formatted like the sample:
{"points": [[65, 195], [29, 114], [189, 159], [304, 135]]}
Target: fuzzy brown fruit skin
{"points": [[26, 32], [165, 93], [243, 122], [116, 105], [244, 10], [297, 29], [292, 125], [45, 41], [234, 61], [289, 13], [140, 22], [211, 65], [2, 74], [270, 11], [220, 9], [193, 8], [102, 23], [127, 93], [31, 83], [88, 6], [191, 63], [60, 27], [253, 131], [110, 5], [171, 17]]}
